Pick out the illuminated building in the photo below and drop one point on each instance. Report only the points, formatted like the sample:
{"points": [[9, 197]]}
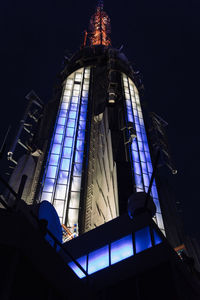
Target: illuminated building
{"points": [[89, 152], [86, 153]]}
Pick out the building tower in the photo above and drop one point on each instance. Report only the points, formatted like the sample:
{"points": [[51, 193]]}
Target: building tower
{"points": [[88, 150]]}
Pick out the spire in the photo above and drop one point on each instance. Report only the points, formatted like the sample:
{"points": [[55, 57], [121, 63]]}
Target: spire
{"points": [[100, 27]]}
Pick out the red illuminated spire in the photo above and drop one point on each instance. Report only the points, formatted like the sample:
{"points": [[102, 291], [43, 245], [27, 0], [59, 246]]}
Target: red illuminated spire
{"points": [[100, 27]]}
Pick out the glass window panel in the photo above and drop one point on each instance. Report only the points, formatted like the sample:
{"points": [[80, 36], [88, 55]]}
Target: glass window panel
{"points": [[142, 156], [70, 132], [159, 220], [144, 167], [157, 204], [136, 120], [138, 181], [73, 216], [84, 101], [65, 164], [64, 106], [149, 166], [68, 142], [136, 156], [75, 93], [79, 156], [142, 239], [146, 180], [69, 81], [67, 92], [59, 206], [81, 134], [83, 116], [82, 125], [139, 137], [71, 123], [78, 77], [74, 106], [63, 177], [130, 117], [51, 172], [56, 149], [154, 191], [66, 152], [137, 168], [53, 159], [58, 138], [141, 122], [157, 238], [146, 148], [46, 196], [82, 261], [85, 93], [76, 184], [127, 96], [74, 99], [128, 104], [83, 108], [140, 114], [144, 137], [77, 169], [135, 112], [148, 157], [134, 145], [98, 260], [129, 110], [137, 127], [48, 186], [140, 145], [77, 87], [60, 129], [61, 121], [63, 113], [65, 98], [86, 87], [74, 200], [121, 249], [60, 191], [80, 145], [72, 114]]}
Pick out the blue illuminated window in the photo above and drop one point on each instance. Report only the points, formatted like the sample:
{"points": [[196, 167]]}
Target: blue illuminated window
{"points": [[53, 159], [98, 260], [142, 239], [65, 164], [82, 261], [121, 249], [51, 172], [157, 238]]}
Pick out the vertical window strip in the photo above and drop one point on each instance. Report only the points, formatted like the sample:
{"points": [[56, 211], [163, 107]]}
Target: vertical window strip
{"points": [[73, 208], [51, 166], [58, 167], [134, 146], [143, 148]]}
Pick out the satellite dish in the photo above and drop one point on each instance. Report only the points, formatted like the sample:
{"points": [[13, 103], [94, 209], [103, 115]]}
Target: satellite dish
{"points": [[47, 212]]}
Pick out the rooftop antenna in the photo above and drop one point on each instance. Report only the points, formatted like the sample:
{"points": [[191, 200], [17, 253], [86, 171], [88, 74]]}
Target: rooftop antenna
{"points": [[100, 27]]}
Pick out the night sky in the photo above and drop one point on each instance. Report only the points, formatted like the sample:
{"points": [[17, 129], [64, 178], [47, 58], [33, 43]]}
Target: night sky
{"points": [[160, 38]]}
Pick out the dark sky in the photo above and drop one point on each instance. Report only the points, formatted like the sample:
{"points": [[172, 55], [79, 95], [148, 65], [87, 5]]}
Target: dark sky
{"points": [[161, 38]]}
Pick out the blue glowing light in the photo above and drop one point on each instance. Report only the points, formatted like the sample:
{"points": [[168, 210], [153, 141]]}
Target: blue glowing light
{"points": [[121, 249], [157, 238], [82, 261], [142, 239], [98, 260]]}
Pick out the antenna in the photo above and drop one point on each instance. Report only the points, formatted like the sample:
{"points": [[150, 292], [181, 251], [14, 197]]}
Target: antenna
{"points": [[100, 27]]}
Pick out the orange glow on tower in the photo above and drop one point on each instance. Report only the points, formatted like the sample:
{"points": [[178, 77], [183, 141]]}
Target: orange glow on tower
{"points": [[100, 27]]}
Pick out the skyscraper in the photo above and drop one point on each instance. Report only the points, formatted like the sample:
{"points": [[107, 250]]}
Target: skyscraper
{"points": [[89, 150]]}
